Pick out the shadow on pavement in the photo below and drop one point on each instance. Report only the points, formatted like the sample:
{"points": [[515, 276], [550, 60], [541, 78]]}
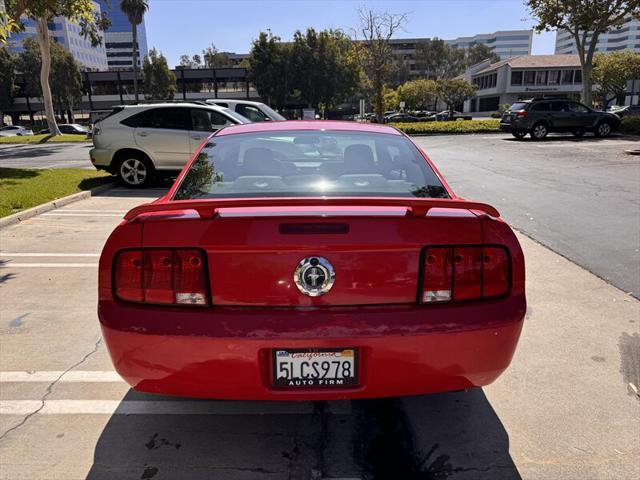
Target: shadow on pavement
{"points": [[32, 151], [569, 138], [432, 437]]}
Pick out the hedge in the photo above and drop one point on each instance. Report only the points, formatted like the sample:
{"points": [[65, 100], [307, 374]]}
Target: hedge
{"points": [[631, 124], [459, 126]]}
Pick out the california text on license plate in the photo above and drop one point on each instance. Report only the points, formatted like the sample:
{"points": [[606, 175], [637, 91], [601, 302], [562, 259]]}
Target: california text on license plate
{"points": [[315, 367]]}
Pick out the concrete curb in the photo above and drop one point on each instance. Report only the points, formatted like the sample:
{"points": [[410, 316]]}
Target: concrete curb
{"points": [[60, 202]]}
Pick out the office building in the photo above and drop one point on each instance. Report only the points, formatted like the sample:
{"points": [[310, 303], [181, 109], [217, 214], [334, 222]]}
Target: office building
{"points": [[504, 43], [67, 34], [627, 36], [119, 39]]}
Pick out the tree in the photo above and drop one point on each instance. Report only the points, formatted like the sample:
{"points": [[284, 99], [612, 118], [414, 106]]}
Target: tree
{"points": [[159, 81], [134, 10], [439, 60], [29, 64], [374, 51], [269, 69], [612, 72], [324, 70], [585, 20], [477, 53], [7, 79], [41, 12], [418, 94], [66, 81], [391, 99], [213, 58], [454, 92]]}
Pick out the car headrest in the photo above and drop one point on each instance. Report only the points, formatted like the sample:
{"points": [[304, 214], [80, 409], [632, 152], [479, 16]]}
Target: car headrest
{"points": [[358, 158]]}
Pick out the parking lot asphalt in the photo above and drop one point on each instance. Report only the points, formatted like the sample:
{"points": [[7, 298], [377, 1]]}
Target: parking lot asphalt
{"points": [[565, 409], [50, 155], [578, 196]]}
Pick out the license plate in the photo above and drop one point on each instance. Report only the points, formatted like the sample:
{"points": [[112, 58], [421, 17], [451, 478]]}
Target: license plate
{"points": [[315, 368]]}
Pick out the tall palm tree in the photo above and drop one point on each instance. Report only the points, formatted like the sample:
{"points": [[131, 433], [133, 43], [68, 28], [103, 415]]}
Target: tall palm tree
{"points": [[134, 10]]}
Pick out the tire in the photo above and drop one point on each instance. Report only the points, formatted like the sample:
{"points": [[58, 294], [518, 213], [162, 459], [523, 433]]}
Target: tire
{"points": [[578, 133], [519, 135], [135, 171], [603, 129], [539, 131]]}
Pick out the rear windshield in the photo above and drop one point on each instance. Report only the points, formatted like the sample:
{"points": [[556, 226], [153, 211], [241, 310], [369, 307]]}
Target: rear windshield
{"points": [[518, 106], [309, 163]]}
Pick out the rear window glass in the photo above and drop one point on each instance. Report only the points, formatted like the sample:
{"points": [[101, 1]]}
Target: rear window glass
{"points": [[519, 106], [309, 163]]}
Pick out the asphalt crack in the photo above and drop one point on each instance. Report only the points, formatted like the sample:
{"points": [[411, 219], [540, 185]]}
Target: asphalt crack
{"points": [[49, 390]]}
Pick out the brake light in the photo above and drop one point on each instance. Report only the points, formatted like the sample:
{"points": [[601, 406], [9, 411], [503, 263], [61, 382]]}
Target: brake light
{"points": [[464, 273], [171, 276], [521, 114]]}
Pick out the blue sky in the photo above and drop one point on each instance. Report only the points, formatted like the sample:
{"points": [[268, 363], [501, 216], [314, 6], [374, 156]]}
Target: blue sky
{"points": [[188, 26]]}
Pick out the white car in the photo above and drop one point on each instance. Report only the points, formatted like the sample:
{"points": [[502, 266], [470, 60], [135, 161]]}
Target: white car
{"points": [[15, 130], [254, 111], [139, 142]]}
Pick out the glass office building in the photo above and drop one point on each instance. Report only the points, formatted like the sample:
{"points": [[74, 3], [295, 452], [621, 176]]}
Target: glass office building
{"points": [[625, 37], [119, 40]]}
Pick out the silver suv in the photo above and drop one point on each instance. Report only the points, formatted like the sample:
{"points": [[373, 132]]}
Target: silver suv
{"points": [[139, 142], [254, 111]]}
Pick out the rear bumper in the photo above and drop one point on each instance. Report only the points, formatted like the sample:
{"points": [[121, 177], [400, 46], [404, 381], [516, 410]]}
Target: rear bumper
{"points": [[225, 353], [100, 158]]}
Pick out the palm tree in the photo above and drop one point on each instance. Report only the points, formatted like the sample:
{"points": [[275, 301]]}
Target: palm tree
{"points": [[134, 10]]}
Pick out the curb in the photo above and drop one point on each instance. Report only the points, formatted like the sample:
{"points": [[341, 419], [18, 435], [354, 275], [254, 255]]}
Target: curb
{"points": [[52, 205]]}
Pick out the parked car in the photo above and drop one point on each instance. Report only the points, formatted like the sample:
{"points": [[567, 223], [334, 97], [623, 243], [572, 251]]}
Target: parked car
{"points": [[402, 118], [270, 272], [254, 111], [69, 129], [623, 111], [540, 116], [15, 130], [445, 115], [140, 142]]}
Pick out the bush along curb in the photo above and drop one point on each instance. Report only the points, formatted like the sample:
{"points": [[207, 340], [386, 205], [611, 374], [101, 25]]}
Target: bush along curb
{"points": [[52, 205]]}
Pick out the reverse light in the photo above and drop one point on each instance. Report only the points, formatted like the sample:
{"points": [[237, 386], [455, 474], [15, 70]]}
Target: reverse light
{"points": [[464, 273], [171, 276]]}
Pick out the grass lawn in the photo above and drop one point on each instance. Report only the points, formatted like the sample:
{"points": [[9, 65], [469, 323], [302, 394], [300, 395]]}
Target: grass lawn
{"points": [[459, 126], [44, 139], [22, 188]]}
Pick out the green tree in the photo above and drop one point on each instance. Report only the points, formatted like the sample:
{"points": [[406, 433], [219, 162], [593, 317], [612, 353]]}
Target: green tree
{"points": [[418, 94], [66, 81], [41, 12], [159, 81], [325, 71], [7, 81], [585, 20], [391, 98], [28, 63], [439, 60], [134, 10], [454, 92], [477, 53], [612, 72], [213, 58], [269, 69]]}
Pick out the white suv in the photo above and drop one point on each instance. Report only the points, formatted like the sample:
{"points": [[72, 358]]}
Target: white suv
{"points": [[139, 142], [254, 111]]}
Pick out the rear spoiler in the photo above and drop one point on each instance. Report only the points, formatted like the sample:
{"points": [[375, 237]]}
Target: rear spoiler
{"points": [[416, 207]]}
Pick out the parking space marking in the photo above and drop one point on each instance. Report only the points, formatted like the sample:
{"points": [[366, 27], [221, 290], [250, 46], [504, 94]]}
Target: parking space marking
{"points": [[16, 254], [92, 376], [61, 214], [48, 265], [164, 407], [69, 210]]}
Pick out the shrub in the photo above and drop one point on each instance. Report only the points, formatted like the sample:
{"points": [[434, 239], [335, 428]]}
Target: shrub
{"points": [[470, 126], [496, 115], [631, 124]]}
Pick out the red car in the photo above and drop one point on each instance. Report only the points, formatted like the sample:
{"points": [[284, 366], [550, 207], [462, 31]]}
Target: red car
{"points": [[311, 261]]}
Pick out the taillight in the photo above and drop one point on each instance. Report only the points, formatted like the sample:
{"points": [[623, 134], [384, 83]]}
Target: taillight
{"points": [[521, 114], [171, 276], [464, 273]]}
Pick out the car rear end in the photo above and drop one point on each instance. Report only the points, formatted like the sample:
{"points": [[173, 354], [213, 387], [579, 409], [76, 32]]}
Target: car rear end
{"points": [[206, 293], [515, 119]]}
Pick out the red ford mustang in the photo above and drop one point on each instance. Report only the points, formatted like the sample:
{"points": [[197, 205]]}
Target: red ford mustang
{"points": [[311, 260]]}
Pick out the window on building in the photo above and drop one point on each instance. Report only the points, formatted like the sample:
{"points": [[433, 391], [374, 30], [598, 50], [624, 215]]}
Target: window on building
{"points": [[541, 77], [488, 104], [577, 76], [516, 78], [553, 77], [529, 77], [567, 76]]}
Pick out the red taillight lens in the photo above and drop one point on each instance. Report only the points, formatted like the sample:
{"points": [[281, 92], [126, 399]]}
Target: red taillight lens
{"points": [[521, 114], [161, 276], [464, 273]]}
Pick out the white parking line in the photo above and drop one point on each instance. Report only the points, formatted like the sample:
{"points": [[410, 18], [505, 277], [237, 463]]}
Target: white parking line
{"points": [[93, 376], [16, 254], [69, 210], [166, 407], [48, 265], [81, 215]]}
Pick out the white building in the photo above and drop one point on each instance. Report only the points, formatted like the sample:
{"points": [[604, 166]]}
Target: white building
{"points": [[627, 36], [119, 38], [504, 43], [67, 34]]}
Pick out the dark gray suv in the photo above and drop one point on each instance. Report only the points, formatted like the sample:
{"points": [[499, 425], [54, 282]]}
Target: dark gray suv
{"points": [[540, 116]]}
